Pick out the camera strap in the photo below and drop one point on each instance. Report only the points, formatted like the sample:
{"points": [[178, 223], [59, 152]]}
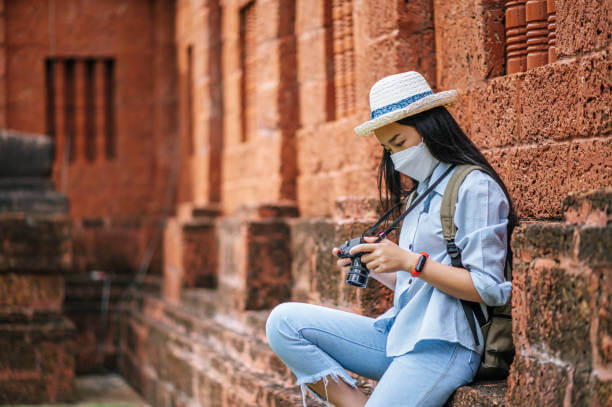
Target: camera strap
{"points": [[413, 205]]}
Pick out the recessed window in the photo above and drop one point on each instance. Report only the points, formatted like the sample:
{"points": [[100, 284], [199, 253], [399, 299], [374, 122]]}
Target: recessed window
{"points": [[80, 102], [248, 89]]}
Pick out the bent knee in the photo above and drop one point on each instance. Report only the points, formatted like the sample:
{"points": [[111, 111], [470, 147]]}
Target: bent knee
{"points": [[278, 325]]}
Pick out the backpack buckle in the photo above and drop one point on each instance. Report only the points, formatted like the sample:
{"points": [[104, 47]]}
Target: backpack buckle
{"points": [[454, 253], [452, 249]]}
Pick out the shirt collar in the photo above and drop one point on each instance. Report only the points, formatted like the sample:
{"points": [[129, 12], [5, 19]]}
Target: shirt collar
{"points": [[437, 172]]}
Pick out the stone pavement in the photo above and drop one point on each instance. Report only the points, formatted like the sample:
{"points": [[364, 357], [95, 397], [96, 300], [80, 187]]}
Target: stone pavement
{"points": [[103, 391]]}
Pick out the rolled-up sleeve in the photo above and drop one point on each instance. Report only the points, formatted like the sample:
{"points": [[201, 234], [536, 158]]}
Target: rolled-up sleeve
{"points": [[481, 217]]}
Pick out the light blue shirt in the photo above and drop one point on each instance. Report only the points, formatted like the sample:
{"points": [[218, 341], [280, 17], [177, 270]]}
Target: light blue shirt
{"points": [[421, 311]]}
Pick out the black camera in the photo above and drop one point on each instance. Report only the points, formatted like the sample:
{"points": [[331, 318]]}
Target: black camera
{"points": [[358, 274]]}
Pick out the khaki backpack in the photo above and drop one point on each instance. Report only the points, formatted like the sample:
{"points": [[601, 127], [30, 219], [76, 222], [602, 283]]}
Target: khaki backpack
{"points": [[497, 331]]}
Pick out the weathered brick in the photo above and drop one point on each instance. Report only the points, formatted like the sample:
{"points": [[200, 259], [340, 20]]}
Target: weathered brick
{"points": [[479, 395], [602, 392], [601, 293], [594, 246], [534, 197], [35, 243], [591, 208], [552, 310], [495, 111], [589, 164], [26, 296], [25, 155], [582, 26], [355, 207], [535, 383], [112, 244], [268, 278], [543, 94], [375, 298], [547, 240], [199, 253], [310, 240], [471, 47], [37, 362]]}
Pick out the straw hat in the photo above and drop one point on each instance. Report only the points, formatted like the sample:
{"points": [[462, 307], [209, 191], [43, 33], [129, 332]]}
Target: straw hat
{"points": [[401, 95]]}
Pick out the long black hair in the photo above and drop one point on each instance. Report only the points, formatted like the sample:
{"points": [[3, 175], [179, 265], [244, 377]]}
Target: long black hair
{"points": [[448, 143]]}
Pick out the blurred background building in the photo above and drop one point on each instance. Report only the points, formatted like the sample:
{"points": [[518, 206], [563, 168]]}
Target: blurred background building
{"points": [[207, 153]]}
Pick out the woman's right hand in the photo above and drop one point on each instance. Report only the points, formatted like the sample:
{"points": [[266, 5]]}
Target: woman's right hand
{"points": [[344, 264]]}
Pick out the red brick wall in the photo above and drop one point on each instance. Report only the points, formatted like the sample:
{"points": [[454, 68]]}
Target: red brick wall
{"points": [[259, 166], [459, 46], [132, 185], [388, 37], [526, 123], [548, 121], [300, 77], [3, 64]]}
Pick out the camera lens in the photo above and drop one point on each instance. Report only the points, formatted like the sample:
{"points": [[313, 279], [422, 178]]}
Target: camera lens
{"points": [[358, 274]]}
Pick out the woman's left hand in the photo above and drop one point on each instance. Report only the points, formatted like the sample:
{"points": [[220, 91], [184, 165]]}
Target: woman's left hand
{"points": [[384, 256]]}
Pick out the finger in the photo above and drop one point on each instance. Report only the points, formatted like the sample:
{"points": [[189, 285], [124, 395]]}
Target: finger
{"points": [[335, 251], [378, 268], [363, 248], [343, 262], [370, 239], [373, 264], [369, 257]]}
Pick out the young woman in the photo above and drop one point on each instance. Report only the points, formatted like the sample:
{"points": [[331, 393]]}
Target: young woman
{"points": [[421, 349]]}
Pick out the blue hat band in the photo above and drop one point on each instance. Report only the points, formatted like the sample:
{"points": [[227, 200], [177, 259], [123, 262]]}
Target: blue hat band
{"points": [[398, 105]]}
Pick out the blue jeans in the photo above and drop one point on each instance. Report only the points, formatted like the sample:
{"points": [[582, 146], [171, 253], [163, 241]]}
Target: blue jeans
{"points": [[316, 342]]}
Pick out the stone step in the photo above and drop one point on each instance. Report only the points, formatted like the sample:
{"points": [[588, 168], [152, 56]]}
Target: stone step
{"points": [[483, 394], [244, 341], [183, 359], [222, 334], [204, 303], [590, 208]]}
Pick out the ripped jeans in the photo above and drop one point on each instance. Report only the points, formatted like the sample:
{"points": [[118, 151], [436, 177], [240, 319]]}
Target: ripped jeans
{"points": [[316, 342]]}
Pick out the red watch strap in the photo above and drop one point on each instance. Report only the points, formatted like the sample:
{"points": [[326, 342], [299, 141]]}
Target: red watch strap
{"points": [[420, 264]]}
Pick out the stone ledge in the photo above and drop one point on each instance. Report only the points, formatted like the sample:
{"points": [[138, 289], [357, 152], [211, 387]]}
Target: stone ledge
{"points": [[25, 154], [483, 394], [36, 362], [242, 342], [591, 208], [248, 387], [35, 244]]}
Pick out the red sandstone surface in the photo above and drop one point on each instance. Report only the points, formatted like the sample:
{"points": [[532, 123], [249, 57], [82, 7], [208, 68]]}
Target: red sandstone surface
{"points": [[210, 143]]}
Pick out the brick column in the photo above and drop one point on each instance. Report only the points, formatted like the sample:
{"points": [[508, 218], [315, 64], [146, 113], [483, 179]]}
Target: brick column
{"points": [[516, 45], [552, 27], [3, 61], [100, 102], [215, 110], [36, 339], [537, 33], [255, 257], [470, 41], [190, 250], [59, 106], [79, 110], [561, 302]]}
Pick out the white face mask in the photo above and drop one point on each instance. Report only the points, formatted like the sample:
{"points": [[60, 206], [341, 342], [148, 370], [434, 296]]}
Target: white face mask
{"points": [[415, 162]]}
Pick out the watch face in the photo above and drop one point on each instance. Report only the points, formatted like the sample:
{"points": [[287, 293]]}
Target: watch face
{"points": [[420, 263]]}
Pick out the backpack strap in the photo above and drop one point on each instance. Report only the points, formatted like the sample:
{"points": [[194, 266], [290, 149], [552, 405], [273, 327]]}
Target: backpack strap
{"points": [[449, 200], [449, 230]]}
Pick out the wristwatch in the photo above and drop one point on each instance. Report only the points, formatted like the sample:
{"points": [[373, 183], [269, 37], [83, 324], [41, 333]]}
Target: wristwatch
{"points": [[420, 264]]}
